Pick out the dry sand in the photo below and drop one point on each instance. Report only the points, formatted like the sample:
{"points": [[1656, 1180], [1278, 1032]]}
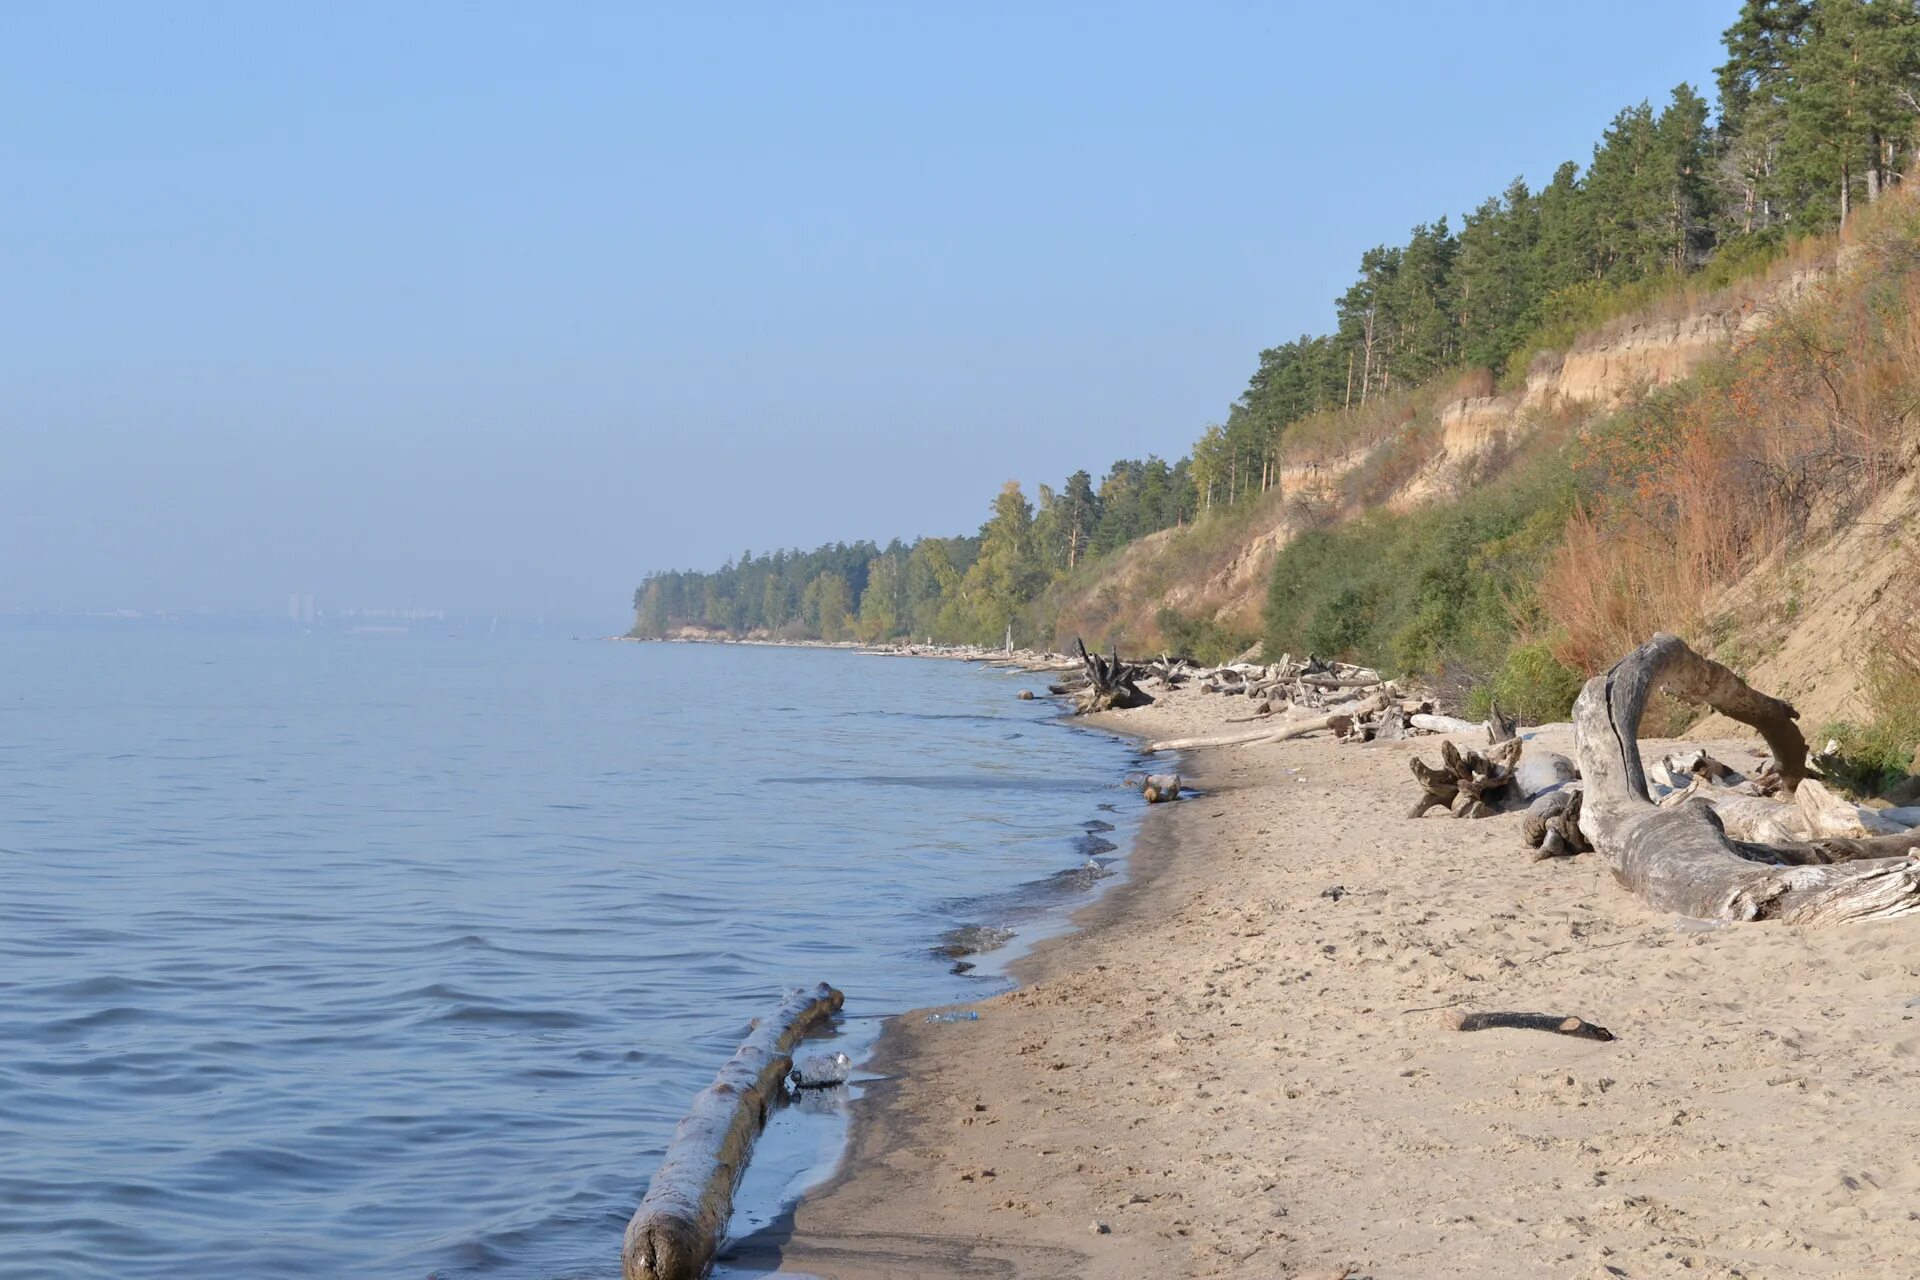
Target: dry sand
{"points": [[1240, 1067]]}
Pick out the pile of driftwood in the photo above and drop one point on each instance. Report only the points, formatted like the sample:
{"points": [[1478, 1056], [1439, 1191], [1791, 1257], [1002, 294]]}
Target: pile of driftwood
{"points": [[1294, 698], [1691, 834], [1507, 776], [1684, 855]]}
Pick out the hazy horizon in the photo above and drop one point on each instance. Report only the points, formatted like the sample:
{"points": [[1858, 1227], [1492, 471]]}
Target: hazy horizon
{"points": [[493, 310]]}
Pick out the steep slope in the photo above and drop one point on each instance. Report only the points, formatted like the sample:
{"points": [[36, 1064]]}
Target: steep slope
{"points": [[1217, 571]]}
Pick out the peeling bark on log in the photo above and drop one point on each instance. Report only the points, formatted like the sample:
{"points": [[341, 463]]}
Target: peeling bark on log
{"points": [[1679, 859], [1558, 1024], [683, 1216]]}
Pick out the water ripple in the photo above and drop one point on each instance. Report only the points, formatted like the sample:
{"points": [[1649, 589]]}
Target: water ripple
{"points": [[321, 958]]}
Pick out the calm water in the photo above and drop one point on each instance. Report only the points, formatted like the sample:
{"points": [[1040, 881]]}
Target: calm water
{"points": [[400, 956]]}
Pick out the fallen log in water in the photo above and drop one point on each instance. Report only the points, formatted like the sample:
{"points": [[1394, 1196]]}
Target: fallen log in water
{"points": [[1680, 859], [682, 1218]]}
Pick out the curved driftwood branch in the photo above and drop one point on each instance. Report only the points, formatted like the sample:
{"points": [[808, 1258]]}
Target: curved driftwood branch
{"points": [[682, 1218], [1679, 858]]}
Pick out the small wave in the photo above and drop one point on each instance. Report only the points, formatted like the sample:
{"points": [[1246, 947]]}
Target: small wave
{"points": [[101, 987], [118, 1016], [1084, 876], [244, 1165], [501, 1016], [972, 939]]}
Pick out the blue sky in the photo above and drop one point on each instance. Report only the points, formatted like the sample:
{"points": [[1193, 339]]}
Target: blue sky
{"points": [[496, 307]]}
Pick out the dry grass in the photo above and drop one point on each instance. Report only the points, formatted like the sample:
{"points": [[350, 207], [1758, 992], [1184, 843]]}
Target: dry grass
{"points": [[1789, 434]]}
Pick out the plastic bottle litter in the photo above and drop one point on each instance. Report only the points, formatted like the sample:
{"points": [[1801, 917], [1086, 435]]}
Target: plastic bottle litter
{"points": [[821, 1070], [955, 1015], [1687, 924]]}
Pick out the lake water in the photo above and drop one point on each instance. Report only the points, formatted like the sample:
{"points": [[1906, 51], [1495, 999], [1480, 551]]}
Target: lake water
{"points": [[334, 955]]}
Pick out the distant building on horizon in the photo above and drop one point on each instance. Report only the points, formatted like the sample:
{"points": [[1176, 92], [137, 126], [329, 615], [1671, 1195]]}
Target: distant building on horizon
{"points": [[300, 608]]}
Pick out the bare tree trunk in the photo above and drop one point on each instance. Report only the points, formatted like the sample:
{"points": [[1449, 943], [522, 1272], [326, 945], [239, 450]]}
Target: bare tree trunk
{"points": [[1679, 859], [1366, 363]]}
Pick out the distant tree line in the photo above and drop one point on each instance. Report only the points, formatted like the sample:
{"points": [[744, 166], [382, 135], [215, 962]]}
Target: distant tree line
{"points": [[969, 587], [1817, 112]]}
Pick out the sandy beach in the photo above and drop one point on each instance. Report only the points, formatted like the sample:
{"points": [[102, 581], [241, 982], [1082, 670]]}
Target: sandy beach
{"points": [[1241, 1065]]}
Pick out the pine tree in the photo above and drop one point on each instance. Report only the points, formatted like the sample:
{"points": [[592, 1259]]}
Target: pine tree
{"points": [[1753, 85], [1682, 229], [1849, 103], [1494, 270]]}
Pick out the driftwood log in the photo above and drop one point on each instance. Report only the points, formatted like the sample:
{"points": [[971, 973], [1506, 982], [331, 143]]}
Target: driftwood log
{"points": [[1467, 783], [1110, 683], [1273, 732], [1560, 1025], [683, 1217], [1679, 858], [1445, 724], [1552, 825]]}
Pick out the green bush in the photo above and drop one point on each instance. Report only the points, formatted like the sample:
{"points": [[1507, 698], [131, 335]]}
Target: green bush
{"points": [[1411, 591], [1875, 755], [1205, 640], [1531, 684]]}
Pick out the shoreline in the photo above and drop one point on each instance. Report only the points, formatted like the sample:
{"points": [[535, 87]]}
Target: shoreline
{"points": [[795, 1244], [1232, 1064]]}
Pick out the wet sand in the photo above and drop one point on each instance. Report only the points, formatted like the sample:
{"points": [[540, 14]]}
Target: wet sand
{"points": [[1240, 1065]]}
